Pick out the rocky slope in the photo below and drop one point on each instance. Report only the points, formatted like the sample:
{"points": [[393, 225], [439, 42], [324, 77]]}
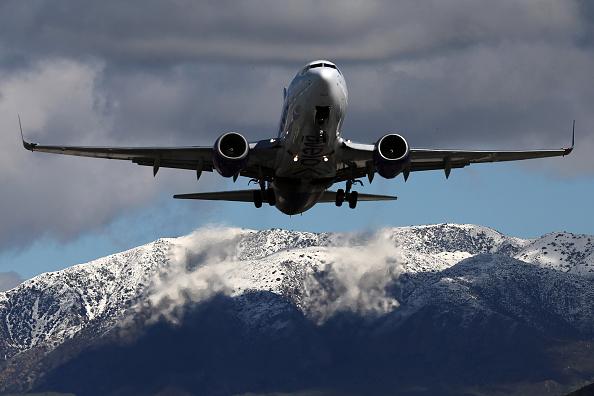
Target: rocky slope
{"points": [[441, 308]]}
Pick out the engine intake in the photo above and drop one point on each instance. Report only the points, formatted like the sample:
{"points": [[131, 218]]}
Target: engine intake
{"points": [[230, 154], [391, 155]]}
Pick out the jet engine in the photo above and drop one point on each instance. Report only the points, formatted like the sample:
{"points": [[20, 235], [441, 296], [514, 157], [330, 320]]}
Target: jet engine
{"points": [[230, 154], [391, 155]]}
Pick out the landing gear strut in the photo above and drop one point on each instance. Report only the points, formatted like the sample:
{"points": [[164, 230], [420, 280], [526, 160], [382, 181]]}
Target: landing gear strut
{"points": [[351, 197], [264, 194]]}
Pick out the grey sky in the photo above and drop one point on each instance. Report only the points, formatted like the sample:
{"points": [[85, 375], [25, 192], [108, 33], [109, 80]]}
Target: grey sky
{"points": [[8, 280], [456, 73]]}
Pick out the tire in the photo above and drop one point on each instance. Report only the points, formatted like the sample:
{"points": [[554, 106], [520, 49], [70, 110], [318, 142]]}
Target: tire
{"points": [[270, 197], [339, 197], [353, 199], [257, 198]]}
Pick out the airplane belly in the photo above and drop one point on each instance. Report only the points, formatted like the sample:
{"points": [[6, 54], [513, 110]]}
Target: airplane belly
{"points": [[294, 196], [310, 168], [309, 154]]}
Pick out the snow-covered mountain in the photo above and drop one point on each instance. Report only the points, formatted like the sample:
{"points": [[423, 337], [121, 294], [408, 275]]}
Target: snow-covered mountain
{"points": [[401, 301]]}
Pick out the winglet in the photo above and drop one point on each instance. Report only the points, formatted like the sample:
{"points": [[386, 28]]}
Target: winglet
{"points": [[26, 145], [568, 150]]}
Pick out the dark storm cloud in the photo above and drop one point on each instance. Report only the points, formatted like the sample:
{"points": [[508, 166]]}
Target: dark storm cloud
{"points": [[270, 31], [456, 73], [586, 33]]}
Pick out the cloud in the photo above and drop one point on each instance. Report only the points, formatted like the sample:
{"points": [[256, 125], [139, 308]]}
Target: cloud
{"points": [[198, 269], [455, 73], [60, 196], [353, 274], [157, 33], [8, 280], [507, 97], [354, 278], [57, 99]]}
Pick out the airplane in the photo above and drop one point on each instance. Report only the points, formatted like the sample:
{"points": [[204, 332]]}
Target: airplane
{"points": [[295, 169]]}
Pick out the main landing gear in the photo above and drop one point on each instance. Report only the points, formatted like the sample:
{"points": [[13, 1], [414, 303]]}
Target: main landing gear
{"points": [[264, 194], [351, 197]]}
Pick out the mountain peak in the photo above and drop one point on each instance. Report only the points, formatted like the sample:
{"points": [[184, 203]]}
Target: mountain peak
{"points": [[387, 276]]}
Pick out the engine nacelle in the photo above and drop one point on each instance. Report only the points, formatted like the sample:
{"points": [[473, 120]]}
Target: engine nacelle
{"points": [[391, 155], [230, 154]]}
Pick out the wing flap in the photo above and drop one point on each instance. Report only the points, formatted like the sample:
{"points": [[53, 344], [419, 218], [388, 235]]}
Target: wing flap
{"points": [[126, 153], [420, 156]]}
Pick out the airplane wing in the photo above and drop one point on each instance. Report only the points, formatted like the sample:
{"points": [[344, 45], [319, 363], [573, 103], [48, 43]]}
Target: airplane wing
{"points": [[248, 196], [358, 158], [194, 158]]}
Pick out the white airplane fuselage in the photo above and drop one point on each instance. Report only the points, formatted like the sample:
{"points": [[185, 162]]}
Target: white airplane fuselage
{"points": [[313, 111]]}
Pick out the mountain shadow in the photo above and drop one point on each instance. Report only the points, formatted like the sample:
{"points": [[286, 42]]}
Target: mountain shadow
{"points": [[213, 351]]}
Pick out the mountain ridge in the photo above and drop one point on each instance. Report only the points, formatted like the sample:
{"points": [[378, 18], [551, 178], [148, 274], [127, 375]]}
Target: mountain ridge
{"points": [[277, 282]]}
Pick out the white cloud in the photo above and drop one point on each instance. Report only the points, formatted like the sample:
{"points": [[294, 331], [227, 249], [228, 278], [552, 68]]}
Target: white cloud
{"points": [[197, 270], [353, 277], [60, 196]]}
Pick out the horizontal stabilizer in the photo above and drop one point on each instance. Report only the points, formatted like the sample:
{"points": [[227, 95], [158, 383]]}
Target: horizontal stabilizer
{"points": [[248, 196], [236, 196]]}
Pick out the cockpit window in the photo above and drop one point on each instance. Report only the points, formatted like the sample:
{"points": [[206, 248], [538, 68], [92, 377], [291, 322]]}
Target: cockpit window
{"points": [[316, 65], [332, 67]]}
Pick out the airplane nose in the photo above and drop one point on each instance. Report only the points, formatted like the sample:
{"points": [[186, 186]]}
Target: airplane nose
{"points": [[323, 78], [324, 83]]}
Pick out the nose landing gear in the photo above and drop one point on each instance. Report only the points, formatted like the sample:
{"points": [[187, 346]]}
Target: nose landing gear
{"points": [[351, 197]]}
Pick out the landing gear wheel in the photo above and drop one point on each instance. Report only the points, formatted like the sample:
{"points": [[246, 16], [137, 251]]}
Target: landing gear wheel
{"points": [[257, 198], [353, 199], [270, 197], [339, 197]]}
